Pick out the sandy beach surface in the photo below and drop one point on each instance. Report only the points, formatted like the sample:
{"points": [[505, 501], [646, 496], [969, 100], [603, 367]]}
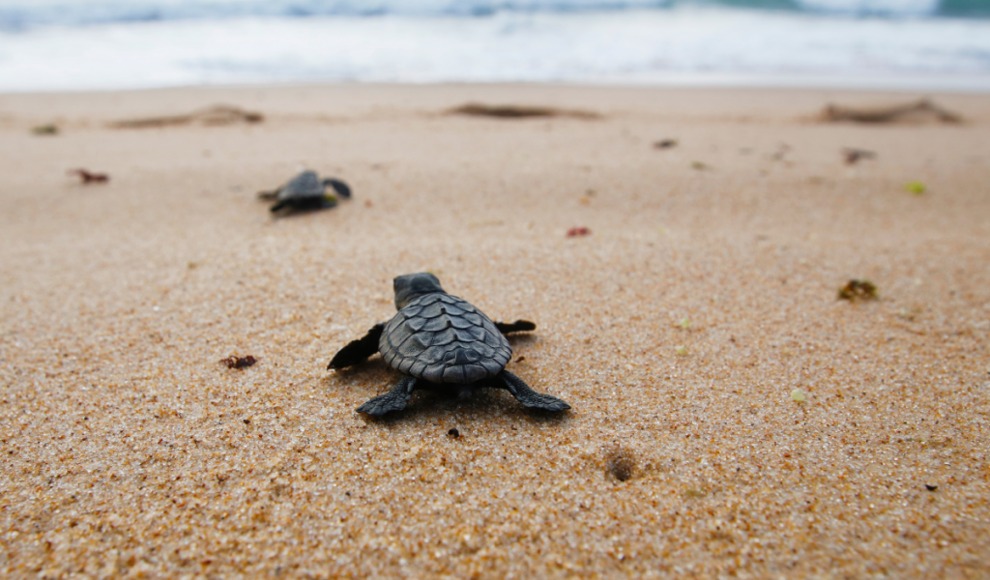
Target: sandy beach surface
{"points": [[704, 295]]}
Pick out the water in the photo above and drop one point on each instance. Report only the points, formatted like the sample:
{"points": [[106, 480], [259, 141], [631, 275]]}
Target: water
{"points": [[120, 44]]}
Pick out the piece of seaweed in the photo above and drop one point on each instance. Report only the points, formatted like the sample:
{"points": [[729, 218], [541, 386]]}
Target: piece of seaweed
{"points": [[210, 116], [919, 111], [518, 111], [90, 177], [858, 290]]}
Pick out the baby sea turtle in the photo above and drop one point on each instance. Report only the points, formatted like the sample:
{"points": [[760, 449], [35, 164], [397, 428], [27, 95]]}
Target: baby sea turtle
{"points": [[439, 339], [306, 191]]}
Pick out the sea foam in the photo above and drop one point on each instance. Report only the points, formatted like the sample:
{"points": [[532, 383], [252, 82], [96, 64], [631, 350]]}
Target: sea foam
{"points": [[237, 42]]}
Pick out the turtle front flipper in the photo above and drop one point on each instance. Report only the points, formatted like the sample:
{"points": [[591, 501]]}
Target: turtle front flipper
{"points": [[339, 186], [528, 397], [280, 205], [358, 350], [302, 204], [517, 326], [394, 400]]}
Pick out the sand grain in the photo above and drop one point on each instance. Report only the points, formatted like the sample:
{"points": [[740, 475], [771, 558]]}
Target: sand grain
{"points": [[129, 450]]}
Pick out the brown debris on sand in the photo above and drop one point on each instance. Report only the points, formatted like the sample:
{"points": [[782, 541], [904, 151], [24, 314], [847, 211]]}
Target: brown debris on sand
{"points": [[518, 112], [578, 231], [917, 112], [90, 177], [209, 116], [853, 155], [239, 362]]}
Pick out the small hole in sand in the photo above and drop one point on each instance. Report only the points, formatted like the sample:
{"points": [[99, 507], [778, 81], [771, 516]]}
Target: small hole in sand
{"points": [[620, 463]]}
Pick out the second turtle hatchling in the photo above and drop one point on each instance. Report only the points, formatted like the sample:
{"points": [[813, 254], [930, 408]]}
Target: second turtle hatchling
{"points": [[441, 340], [306, 191]]}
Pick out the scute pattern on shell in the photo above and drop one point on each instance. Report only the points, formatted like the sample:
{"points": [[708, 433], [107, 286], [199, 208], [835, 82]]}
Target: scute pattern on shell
{"points": [[306, 184], [443, 339]]}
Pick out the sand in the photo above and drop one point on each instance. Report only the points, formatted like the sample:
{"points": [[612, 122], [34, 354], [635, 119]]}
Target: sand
{"points": [[705, 294]]}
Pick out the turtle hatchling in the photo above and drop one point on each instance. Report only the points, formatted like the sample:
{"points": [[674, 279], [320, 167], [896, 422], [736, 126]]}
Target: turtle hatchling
{"points": [[306, 191], [440, 340]]}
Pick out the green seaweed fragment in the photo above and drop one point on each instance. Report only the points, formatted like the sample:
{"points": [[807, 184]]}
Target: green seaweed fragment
{"points": [[858, 290], [45, 130], [915, 187]]}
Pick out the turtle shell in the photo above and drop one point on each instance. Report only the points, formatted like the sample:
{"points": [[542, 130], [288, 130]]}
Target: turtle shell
{"points": [[443, 339], [305, 185]]}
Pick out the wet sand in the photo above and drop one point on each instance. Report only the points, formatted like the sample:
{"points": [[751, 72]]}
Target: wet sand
{"points": [[704, 295]]}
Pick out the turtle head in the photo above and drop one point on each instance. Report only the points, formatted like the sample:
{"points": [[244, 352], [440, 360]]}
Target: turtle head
{"points": [[411, 286]]}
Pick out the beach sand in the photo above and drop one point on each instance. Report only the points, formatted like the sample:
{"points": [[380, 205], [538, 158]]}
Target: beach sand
{"points": [[705, 294]]}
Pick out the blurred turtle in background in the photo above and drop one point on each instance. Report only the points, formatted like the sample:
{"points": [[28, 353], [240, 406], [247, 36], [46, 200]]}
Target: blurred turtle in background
{"points": [[305, 192]]}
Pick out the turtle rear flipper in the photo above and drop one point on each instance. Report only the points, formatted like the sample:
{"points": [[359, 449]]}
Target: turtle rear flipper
{"points": [[517, 326], [339, 186], [394, 400], [528, 397], [358, 350]]}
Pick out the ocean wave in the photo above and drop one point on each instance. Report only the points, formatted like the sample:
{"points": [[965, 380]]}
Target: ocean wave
{"points": [[19, 15], [632, 47]]}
